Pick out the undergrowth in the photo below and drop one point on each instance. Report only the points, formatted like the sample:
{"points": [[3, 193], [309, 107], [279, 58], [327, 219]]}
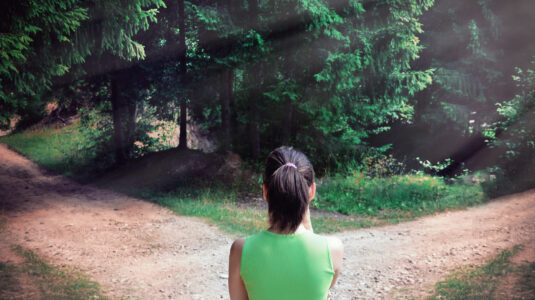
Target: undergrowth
{"points": [[398, 195], [67, 151], [218, 205], [383, 199]]}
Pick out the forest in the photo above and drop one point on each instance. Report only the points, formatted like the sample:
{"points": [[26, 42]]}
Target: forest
{"points": [[448, 83], [406, 109]]}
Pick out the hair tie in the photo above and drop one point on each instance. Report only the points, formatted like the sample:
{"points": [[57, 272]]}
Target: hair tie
{"points": [[290, 165]]}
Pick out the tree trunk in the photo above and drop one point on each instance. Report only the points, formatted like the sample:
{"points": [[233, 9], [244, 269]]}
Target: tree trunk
{"points": [[226, 90], [287, 124], [131, 128], [182, 140], [254, 131], [255, 73], [254, 114], [233, 115], [225, 96], [117, 104]]}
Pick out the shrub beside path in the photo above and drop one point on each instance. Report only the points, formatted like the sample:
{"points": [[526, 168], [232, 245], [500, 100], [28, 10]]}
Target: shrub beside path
{"points": [[138, 250]]}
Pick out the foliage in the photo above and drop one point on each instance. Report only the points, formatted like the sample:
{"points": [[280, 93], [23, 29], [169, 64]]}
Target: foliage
{"points": [[515, 133], [367, 81], [320, 75], [325, 76], [33, 33], [409, 195], [373, 162], [469, 78], [435, 168], [93, 139], [82, 150], [382, 166], [43, 40], [469, 44], [74, 151], [391, 198]]}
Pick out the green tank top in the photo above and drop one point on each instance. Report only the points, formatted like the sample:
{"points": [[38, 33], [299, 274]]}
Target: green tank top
{"points": [[279, 267]]}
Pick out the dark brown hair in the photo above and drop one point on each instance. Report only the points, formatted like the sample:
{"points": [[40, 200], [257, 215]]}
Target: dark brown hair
{"points": [[287, 187]]}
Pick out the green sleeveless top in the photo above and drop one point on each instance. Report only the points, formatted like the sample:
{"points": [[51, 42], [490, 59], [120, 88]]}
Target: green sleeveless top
{"points": [[279, 267]]}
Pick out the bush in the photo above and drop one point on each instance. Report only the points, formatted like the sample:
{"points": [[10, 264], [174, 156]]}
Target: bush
{"points": [[78, 150], [515, 134], [382, 166], [92, 149], [512, 176]]}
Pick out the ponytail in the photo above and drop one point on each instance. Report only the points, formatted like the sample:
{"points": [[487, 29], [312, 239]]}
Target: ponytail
{"points": [[288, 176]]}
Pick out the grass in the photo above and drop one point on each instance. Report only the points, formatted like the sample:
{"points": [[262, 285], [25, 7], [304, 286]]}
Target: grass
{"points": [[41, 278], [217, 205], [526, 284], [50, 282], [405, 196], [246, 221], [368, 201], [61, 150], [483, 282], [212, 204], [49, 147], [9, 285]]}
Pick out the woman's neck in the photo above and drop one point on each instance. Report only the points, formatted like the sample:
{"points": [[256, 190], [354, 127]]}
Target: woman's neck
{"points": [[303, 226], [300, 228]]}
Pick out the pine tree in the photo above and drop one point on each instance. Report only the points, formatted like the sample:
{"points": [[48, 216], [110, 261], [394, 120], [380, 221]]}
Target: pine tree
{"points": [[53, 42]]}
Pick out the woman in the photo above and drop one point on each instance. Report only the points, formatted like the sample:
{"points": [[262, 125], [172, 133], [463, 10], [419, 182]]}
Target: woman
{"points": [[287, 261]]}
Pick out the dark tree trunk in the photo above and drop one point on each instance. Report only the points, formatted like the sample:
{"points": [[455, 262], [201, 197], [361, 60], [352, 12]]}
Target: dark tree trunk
{"points": [[233, 115], [287, 124], [225, 96], [182, 140], [254, 131], [226, 90], [118, 104], [254, 114], [254, 70], [131, 128]]}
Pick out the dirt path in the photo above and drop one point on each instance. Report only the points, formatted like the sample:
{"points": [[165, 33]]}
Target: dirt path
{"points": [[408, 258], [138, 250], [135, 249]]}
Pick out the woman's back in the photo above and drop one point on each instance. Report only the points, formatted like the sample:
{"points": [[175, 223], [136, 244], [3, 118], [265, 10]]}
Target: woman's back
{"points": [[289, 261], [291, 266]]}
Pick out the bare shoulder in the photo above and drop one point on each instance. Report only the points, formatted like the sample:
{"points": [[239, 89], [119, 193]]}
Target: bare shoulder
{"points": [[337, 252], [235, 283], [237, 246], [335, 244], [235, 254]]}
